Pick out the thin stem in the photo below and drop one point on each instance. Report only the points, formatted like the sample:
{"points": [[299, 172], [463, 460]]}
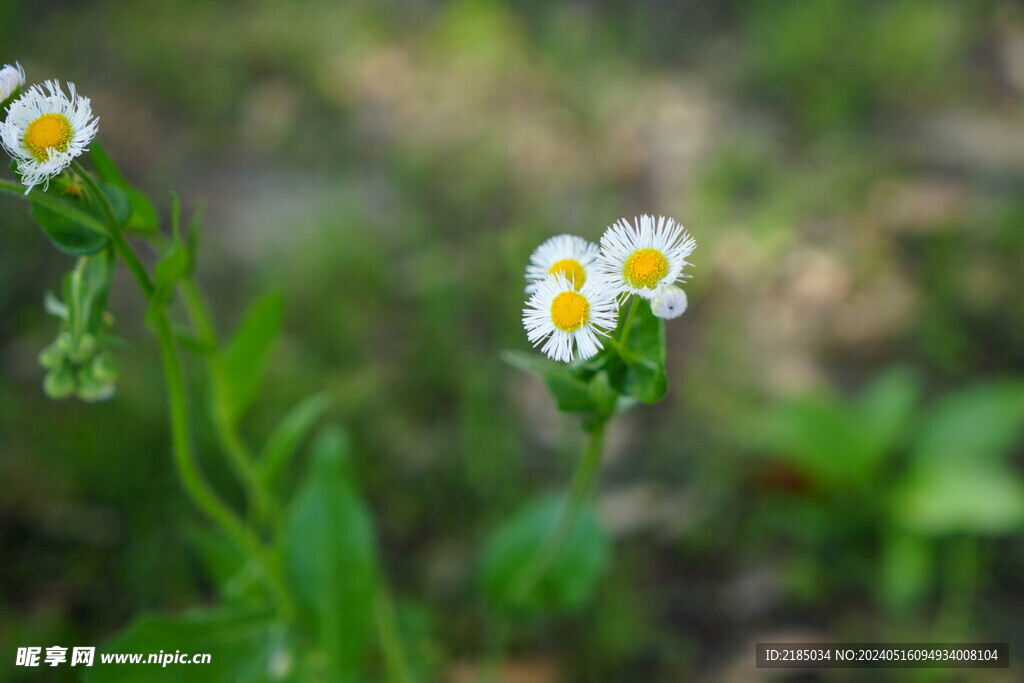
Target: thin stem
{"points": [[202, 495], [121, 246], [626, 324], [579, 491], [390, 639], [239, 455]]}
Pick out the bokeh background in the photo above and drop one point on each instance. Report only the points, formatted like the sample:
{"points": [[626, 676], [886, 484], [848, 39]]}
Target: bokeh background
{"points": [[839, 454]]}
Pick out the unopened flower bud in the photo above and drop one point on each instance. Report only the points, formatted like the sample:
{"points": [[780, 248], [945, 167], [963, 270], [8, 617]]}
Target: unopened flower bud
{"points": [[104, 367], [670, 302], [51, 357], [91, 388], [66, 342], [86, 348], [59, 383], [12, 79]]}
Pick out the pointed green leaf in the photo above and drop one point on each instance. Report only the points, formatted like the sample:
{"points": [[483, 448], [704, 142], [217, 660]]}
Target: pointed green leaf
{"points": [[140, 213], [979, 423], [886, 408], [571, 393], [239, 646], [968, 497], [331, 558], [285, 440], [246, 355]]}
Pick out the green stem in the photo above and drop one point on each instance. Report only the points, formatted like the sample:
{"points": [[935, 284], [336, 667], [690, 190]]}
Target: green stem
{"points": [[579, 492], [202, 495], [626, 324], [205, 498], [239, 455], [121, 246], [390, 639]]}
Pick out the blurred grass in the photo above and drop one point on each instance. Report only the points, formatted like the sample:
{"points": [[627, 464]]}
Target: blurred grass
{"points": [[852, 173]]}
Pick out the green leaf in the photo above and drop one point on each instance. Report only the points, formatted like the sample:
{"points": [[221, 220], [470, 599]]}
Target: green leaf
{"points": [[237, 578], [886, 408], [246, 355], [71, 230], [94, 288], [120, 205], [572, 575], [285, 440], [331, 559], [141, 214], [239, 645], [641, 372], [571, 393], [970, 497], [979, 423], [106, 167], [820, 436], [174, 264]]}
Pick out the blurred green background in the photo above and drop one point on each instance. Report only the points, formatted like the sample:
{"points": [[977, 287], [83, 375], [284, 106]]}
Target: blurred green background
{"points": [[839, 456]]}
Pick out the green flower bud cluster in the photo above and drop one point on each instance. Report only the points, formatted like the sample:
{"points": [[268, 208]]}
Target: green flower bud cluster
{"points": [[80, 367]]}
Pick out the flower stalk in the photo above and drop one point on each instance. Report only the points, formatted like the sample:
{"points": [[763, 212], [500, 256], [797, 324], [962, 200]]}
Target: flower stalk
{"points": [[204, 497]]}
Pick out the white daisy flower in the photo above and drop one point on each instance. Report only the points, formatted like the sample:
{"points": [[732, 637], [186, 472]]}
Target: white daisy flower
{"points": [[568, 320], [12, 78], [45, 130], [669, 303], [643, 259], [569, 255]]}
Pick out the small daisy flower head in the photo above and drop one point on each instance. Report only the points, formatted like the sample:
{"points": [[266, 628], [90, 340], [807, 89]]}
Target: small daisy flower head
{"points": [[669, 303], [45, 130], [643, 258], [568, 320], [12, 79], [567, 255]]}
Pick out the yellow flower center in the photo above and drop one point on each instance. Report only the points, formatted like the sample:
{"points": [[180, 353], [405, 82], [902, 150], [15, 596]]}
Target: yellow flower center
{"points": [[49, 131], [645, 268], [570, 311], [571, 269]]}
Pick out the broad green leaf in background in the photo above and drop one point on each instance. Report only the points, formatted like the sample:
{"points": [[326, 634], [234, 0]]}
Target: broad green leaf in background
{"points": [[572, 575], [886, 408], [978, 423], [641, 373], [246, 355], [286, 438], [970, 497], [331, 558], [960, 480], [140, 213], [239, 645], [819, 435]]}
